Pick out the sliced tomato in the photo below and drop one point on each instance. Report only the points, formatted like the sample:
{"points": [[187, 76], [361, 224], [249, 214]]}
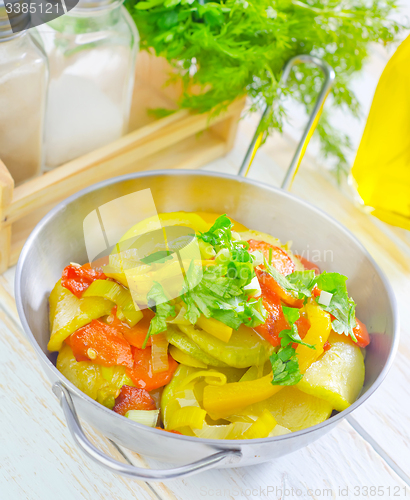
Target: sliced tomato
{"points": [[361, 334], [267, 281], [307, 264], [280, 260], [316, 291], [101, 343], [78, 278], [137, 334], [133, 398], [276, 321], [142, 374]]}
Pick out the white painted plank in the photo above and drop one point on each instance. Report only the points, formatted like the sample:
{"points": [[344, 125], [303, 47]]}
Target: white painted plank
{"points": [[340, 460], [38, 457]]}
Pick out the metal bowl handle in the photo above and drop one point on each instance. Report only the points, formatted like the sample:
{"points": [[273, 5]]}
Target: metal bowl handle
{"points": [[329, 75], [113, 465]]}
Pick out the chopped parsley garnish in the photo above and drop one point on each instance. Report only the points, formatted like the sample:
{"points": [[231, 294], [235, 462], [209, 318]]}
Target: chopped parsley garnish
{"points": [[222, 297], [341, 306], [285, 365], [301, 283], [163, 309], [216, 291]]}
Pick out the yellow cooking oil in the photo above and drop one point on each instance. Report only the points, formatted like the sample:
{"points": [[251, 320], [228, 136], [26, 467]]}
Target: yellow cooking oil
{"points": [[381, 170]]}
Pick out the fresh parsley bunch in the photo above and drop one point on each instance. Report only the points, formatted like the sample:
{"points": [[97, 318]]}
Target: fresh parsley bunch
{"points": [[229, 48]]}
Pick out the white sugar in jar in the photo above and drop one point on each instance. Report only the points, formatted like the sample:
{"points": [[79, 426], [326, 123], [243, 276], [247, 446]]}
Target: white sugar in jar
{"points": [[91, 52], [23, 86]]}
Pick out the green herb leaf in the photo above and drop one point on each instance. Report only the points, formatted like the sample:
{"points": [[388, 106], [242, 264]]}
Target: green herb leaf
{"points": [[157, 257], [163, 309], [285, 367], [220, 297], [289, 336], [291, 314], [297, 284], [304, 281], [341, 306], [220, 234]]}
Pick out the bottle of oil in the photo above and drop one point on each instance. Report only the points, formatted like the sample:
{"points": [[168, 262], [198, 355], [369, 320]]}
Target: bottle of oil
{"points": [[381, 169]]}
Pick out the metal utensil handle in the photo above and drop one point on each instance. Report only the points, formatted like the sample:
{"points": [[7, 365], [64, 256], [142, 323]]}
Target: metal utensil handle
{"points": [[113, 465], [310, 127]]}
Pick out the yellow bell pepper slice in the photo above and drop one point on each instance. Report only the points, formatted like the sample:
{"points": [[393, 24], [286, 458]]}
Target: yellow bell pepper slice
{"points": [[225, 400], [214, 327], [185, 359], [188, 416], [168, 402], [317, 335], [68, 313], [187, 219], [125, 267], [119, 295], [210, 219], [291, 408], [262, 427]]}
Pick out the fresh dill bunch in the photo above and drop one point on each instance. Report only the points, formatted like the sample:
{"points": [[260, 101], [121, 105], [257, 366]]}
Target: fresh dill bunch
{"points": [[230, 48]]}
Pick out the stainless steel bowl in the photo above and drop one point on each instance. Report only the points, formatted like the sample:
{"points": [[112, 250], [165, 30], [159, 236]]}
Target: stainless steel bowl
{"points": [[58, 239]]}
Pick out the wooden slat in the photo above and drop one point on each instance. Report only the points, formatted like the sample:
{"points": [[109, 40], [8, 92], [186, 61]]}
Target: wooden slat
{"points": [[116, 158], [6, 194], [38, 456], [341, 460], [192, 152]]}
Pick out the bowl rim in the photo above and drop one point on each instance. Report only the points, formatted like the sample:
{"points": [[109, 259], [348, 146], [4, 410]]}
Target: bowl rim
{"points": [[221, 443]]}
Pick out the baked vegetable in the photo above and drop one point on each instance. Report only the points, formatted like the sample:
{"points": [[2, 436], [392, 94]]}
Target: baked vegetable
{"points": [[253, 345]]}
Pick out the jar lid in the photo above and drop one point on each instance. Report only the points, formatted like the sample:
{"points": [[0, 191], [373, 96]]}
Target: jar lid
{"points": [[11, 25]]}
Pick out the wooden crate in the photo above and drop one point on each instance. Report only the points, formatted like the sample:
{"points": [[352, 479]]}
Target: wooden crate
{"points": [[180, 140]]}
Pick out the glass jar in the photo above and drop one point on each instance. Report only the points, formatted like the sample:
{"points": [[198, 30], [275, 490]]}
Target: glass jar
{"points": [[91, 52], [23, 87]]}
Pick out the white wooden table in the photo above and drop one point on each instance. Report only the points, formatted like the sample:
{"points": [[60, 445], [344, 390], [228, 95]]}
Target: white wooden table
{"points": [[367, 455]]}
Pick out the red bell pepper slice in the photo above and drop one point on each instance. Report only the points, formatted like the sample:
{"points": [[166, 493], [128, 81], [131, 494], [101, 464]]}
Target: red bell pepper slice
{"points": [[270, 283], [280, 260], [307, 264], [303, 325], [276, 321], [133, 398], [143, 376], [137, 334], [361, 334], [78, 278], [101, 343]]}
